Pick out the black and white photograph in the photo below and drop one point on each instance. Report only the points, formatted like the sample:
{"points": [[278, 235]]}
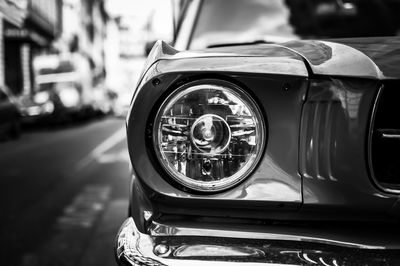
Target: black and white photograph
{"points": [[199, 132]]}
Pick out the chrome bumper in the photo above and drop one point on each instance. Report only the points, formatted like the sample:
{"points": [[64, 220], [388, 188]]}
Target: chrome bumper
{"points": [[136, 248]]}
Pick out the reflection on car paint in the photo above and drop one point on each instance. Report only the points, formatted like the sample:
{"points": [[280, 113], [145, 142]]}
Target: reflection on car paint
{"points": [[335, 59], [335, 119]]}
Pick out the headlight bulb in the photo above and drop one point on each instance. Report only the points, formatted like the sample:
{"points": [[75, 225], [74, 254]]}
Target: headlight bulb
{"points": [[210, 134]]}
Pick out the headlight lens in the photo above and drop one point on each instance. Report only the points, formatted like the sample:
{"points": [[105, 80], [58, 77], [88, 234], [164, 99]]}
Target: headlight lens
{"points": [[209, 136]]}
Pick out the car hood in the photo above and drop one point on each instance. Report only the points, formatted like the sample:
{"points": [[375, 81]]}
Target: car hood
{"points": [[375, 58], [364, 57]]}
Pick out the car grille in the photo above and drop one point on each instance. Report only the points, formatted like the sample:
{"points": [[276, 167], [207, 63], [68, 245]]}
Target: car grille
{"points": [[385, 138]]}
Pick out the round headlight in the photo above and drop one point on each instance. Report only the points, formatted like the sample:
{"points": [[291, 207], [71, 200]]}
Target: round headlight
{"points": [[209, 135]]}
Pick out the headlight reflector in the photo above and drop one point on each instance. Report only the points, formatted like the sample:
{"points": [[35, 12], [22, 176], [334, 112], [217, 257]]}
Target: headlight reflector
{"points": [[209, 135]]}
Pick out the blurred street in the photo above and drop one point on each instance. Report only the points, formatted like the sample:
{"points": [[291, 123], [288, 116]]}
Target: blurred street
{"points": [[63, 194], [68, 71]]}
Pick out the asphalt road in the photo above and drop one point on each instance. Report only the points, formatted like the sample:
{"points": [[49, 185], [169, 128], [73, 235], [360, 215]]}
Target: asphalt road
{"points": [[63, 194]]}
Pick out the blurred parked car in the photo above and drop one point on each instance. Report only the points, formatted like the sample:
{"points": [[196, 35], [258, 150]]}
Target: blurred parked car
{"points": [[258, 148], [69, 79], [51, 103], [9, 116], [35, 108]]}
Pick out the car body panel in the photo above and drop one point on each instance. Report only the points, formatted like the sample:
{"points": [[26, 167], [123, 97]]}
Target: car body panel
{"points": [[374, 58], [261, 59], [384, 51], [334, 59], [333, 146], [242, 64]]}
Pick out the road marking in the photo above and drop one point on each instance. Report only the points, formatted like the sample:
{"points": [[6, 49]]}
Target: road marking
{"points": [[106, 145], [99, 251], [73, 230], [121, 156], [85, 207]]}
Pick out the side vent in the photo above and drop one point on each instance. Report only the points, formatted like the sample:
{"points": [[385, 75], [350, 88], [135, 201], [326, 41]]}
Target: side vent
{"points": [[385, 138]]}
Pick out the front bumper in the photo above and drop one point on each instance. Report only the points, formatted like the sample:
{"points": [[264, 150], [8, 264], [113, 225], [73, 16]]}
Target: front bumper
{"points": [[176, 248]]}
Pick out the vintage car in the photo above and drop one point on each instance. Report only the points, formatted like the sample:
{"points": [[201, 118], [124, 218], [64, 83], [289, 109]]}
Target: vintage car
{"points": [[255, 153], [66, 79]]}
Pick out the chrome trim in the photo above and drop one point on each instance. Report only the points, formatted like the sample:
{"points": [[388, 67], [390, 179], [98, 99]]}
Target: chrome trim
{"points": [[391, 136], [207, 248], [389, 133], [157, 229], [135, 248]]}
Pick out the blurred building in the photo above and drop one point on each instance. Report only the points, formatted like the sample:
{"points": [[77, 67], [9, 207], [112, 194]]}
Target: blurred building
{"points": [[133, 25], [133, 34], [26, 27], [84, 32], [112, 59], [30, 28]]}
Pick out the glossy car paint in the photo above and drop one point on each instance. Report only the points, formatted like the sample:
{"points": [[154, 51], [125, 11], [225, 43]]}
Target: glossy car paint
{"points": [[383, 51], [374, 58], [333, 148]]}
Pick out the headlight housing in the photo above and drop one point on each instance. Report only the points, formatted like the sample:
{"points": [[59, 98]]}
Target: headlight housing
{"points": [[209, 135]]}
